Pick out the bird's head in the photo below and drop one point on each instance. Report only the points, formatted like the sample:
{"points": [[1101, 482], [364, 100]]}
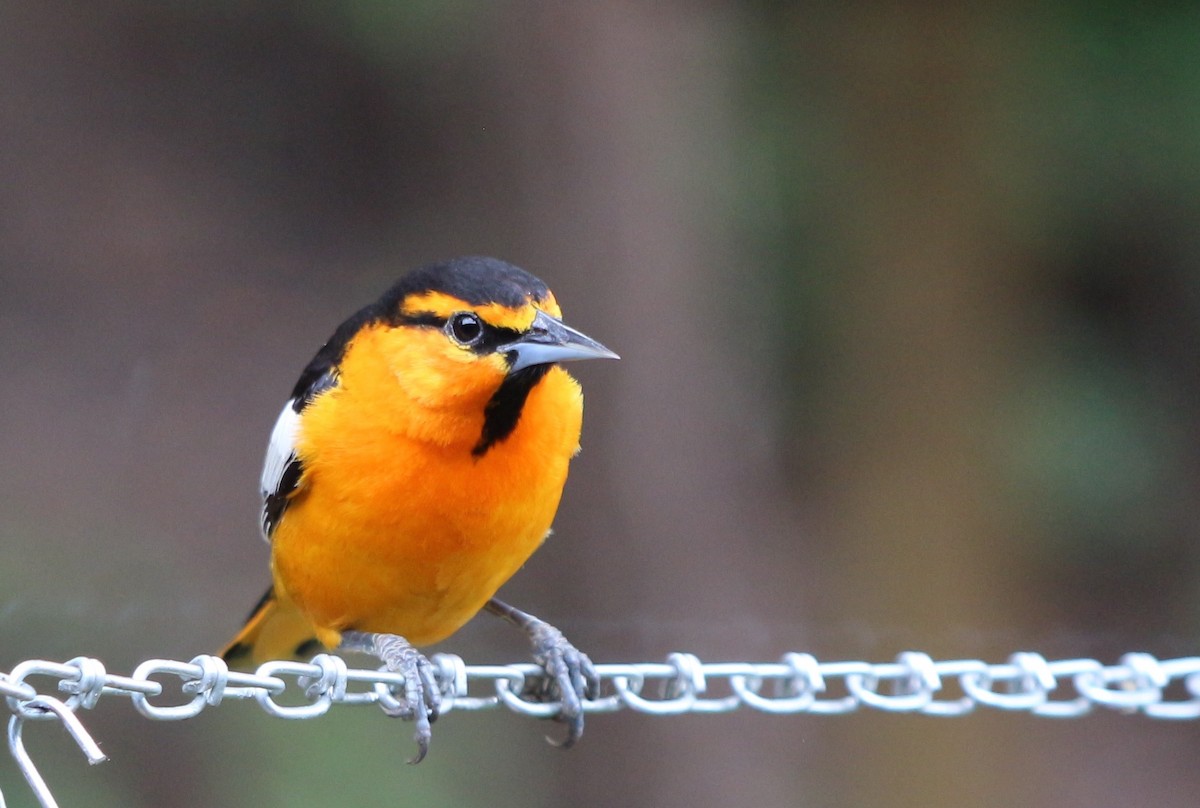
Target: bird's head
{"points": [[470, 339]]}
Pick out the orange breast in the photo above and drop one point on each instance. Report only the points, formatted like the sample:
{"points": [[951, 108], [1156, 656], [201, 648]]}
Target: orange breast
{"points": [[397, 527]]}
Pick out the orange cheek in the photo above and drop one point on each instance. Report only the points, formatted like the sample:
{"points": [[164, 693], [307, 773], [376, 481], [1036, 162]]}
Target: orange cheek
{"points": [[413, 382], [444, 377]]}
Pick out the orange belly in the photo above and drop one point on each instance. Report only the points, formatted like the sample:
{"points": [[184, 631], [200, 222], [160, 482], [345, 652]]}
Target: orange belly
{"points": [[390, 533]]}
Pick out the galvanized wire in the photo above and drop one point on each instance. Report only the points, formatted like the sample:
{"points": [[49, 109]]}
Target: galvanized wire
{"points": [[37, 690]]}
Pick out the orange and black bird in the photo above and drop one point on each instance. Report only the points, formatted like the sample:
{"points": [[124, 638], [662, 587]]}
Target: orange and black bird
{"points": [[417, 465]]}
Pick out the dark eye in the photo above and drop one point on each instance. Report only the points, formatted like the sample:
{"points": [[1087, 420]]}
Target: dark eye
{"points": [[465, 328]]}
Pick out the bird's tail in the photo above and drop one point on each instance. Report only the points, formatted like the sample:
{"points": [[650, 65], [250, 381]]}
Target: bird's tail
{"points": [[275, 629]]}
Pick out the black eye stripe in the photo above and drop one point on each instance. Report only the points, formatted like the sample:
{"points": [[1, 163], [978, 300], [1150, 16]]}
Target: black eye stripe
{"points": [[491, 339], [425, 318]]}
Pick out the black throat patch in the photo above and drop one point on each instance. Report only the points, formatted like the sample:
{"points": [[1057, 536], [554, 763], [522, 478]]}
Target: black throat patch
{"points": [[503, 410]]}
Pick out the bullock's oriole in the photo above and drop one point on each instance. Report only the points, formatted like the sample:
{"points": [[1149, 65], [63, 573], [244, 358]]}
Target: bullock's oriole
{"points": [[417, 465]]}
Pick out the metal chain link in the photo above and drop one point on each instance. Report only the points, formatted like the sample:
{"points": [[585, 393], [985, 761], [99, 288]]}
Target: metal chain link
{"points": [[798, 683]]}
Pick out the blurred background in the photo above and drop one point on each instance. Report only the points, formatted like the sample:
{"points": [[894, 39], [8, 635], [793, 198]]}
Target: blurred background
{"points": [[908, 303]]}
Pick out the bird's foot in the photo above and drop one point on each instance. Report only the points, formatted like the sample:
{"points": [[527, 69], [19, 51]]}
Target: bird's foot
{"points": [[422, 696], [570, 676]]}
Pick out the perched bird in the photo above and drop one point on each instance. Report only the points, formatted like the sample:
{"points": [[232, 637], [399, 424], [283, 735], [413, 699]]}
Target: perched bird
{"points": [[417, 465]]}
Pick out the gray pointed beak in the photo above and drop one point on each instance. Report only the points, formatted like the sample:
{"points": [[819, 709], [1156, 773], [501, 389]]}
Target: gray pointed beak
{"points": [[550, 340]]}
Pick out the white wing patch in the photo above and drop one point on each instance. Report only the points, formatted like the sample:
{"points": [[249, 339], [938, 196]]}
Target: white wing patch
{"points": [[280, 455]]}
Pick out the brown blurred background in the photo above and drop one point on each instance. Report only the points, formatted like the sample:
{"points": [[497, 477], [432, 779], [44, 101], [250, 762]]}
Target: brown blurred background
{"points": [[908, 301]]}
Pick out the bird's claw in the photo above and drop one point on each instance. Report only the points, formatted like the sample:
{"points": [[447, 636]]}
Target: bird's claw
{"points": [[422, 698], [422, 695], [570, 678]]}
